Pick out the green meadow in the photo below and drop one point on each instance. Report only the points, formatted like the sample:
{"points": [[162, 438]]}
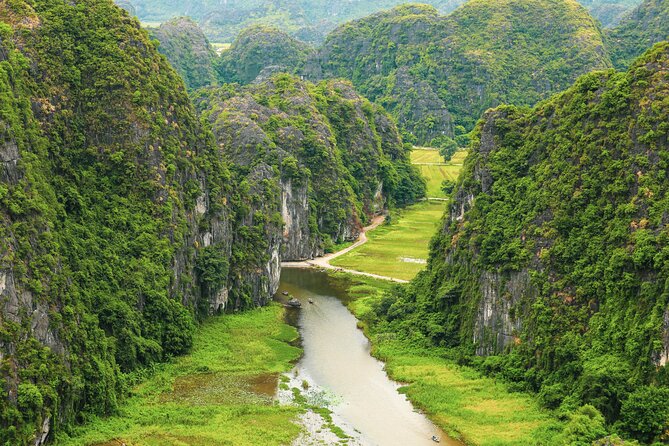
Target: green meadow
{"points": [[435, 170], [435, 174], [398, 249], [219, 394], [426, 155]]}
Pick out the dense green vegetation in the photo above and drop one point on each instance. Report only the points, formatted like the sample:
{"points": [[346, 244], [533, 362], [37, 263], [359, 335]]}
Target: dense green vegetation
{"points": [[125, 219], [639, 30], [188, 50], [309, 20], [220, 393], [437, 74], [122, 222], [552, 264], [94, 211], [260, 49]]}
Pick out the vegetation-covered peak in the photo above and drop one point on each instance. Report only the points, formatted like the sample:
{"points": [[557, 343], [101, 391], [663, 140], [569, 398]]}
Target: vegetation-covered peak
{"points": [[257, 49], [437, 74], [637, 31], [553, 258], [308, 20], [108, 185], [187, 49]]}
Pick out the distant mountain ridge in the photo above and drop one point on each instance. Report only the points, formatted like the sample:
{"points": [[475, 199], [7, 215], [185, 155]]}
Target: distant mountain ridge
{"points": [[637, 31], [308, 20], [437, 73]]}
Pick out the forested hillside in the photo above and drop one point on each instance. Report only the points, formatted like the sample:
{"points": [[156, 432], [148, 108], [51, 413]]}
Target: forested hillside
{"points": [[122, 220], [552, 264], [436, 74], [308, 20], [188, 50], [645, 26], [261, 50]]}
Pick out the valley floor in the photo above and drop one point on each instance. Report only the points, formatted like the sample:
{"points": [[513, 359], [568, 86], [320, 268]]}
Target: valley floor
{"points": [[400, 249], [221, 393]]}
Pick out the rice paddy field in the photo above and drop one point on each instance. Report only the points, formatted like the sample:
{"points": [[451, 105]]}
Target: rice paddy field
{"points": [[435, 169], [399, 249]]}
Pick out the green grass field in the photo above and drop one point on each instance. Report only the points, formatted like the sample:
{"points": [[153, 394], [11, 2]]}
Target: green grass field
{"points": [[459, 157], [392, 249], [435, 170], [435, 174], [398, 250], [219, 394], [420, 155], [477, 409]]}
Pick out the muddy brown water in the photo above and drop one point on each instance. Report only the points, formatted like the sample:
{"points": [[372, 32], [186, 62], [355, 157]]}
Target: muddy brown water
{"points": [[364, 401]]}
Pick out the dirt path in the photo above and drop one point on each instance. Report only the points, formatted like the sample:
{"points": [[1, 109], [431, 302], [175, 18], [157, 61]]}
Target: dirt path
{"points": [[324, 262]]}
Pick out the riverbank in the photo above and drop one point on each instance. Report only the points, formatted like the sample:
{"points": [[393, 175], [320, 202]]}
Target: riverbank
{"points": [[220, 393], [475, 409], [324, 262]]}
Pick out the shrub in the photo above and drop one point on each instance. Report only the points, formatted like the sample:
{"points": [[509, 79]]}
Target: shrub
{"points": [[645, 414], [585, 425]]}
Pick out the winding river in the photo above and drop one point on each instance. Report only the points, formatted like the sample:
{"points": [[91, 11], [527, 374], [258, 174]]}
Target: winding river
{"points": [[339, 371]]}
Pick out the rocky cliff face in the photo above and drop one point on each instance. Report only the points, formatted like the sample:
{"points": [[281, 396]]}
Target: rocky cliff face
{"points": [[298, 243], [332, 158], [663, 359], [496, 326]]}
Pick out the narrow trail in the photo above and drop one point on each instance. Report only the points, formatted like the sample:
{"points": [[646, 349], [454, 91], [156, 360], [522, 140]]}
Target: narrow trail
{"points": [[324, 261]]}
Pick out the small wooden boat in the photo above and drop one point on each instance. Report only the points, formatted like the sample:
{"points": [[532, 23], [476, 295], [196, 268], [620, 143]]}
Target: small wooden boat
{"points": [[435, 439], [311, 301], [285, 293]]}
